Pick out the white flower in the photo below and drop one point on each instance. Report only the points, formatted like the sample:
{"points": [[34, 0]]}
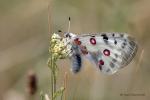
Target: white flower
{"points": [[55, 38], [59, 46]]}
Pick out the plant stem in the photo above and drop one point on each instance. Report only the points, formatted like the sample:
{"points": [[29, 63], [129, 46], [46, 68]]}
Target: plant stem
{"points": [[54, 81], [51, 67], [53, 77]]}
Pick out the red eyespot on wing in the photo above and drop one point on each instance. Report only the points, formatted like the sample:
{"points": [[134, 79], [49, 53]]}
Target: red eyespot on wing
{"points": [[92, 41], [106, 52], [101, 62], [77, 41]]}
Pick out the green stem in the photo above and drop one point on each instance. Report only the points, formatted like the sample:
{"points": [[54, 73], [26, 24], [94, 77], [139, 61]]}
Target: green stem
{"points": [[52, 81], [51, 66], [53, 84], [55, 79], [62, 96]]}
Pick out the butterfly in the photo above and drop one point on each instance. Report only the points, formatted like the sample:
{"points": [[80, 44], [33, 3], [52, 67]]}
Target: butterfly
{"points": [[108, 51]]}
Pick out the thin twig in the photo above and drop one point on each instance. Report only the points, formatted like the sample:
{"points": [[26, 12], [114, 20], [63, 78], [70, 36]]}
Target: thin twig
{"points": [[49, 17]]}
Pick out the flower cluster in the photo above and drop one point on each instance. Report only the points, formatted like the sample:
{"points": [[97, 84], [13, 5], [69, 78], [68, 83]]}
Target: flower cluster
{"points": [[58, 47]]}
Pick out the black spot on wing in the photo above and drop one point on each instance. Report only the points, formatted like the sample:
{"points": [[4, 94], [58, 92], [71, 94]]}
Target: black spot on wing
{"points": [[105, 37], [124, 43], [125, 40], [114, 60], [122, 46], [112, 65], [113, 34], [92, 36], [115, 42]]}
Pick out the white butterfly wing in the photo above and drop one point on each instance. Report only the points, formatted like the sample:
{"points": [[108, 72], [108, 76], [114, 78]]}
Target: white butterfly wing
{"points": [[109, 51]]}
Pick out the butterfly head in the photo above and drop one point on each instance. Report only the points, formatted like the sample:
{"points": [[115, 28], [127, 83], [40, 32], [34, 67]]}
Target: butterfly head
{"points": [[69, 35]]}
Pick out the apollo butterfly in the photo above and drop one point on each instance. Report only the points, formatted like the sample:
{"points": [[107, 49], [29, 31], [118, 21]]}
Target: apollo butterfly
{"points": [[108, 51]]}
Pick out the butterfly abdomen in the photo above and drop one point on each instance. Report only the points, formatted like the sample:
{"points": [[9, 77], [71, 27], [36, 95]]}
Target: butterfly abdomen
{"points": [[76, 63]]}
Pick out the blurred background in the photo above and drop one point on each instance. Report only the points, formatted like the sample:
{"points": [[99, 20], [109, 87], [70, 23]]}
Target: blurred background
{"points": [[24, 41]]}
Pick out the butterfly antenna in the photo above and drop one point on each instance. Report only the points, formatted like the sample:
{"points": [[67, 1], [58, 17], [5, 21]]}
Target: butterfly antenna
{"points": [[69, 25]]}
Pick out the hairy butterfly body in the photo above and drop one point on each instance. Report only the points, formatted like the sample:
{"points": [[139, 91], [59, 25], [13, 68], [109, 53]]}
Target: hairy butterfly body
{"points": [[109, 51]]}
